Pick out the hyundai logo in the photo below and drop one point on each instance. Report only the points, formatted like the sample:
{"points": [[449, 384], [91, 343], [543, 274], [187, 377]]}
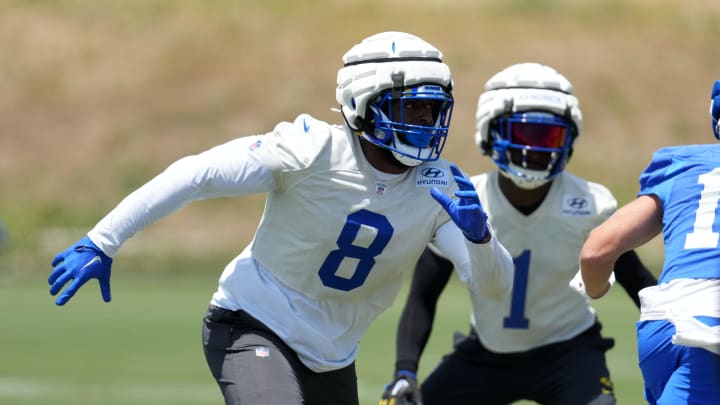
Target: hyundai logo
{"points": [[433, 172], [577, 202]]}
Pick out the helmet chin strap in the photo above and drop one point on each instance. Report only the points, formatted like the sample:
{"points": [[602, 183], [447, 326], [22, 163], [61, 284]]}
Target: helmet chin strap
{"points": [[406, 160], [402, 159], [525, 179]]}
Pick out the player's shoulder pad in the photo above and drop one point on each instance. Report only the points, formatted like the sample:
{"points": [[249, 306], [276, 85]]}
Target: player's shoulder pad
{"points": [[303, 124], [661, 162], [304, 132], [603, 198], [480, 180], [577, 183], [311, 125]]}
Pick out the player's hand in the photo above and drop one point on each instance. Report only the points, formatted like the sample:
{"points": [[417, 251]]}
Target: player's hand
{"points": [[467, 212], [79, 263], [402, 391], [578, 285]]}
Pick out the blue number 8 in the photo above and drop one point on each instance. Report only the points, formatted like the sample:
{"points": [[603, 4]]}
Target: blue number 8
{"points": [[365, 255]]}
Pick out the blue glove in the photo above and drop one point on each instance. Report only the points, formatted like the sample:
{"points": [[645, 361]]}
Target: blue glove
{"points": [[80, 262], [467, 212]]}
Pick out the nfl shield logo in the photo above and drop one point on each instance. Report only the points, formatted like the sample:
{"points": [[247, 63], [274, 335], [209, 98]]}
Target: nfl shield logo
{"points": [[380, 188], [262, 352]]}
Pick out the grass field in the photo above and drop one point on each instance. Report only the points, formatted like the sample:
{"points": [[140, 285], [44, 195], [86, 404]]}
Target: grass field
{"points": [[144, 346]]}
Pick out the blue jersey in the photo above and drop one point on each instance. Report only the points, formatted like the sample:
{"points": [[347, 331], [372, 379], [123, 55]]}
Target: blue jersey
{"points": [[686, 179]]}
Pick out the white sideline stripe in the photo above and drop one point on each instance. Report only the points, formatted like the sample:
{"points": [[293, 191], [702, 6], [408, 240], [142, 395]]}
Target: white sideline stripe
{"points": [[26, 388], [19, 388]]}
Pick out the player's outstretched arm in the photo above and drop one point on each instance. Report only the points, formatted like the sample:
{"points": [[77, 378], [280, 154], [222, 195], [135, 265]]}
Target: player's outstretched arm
{"points": [[467, 212], [629, 227], [77, 264], [628, 271], [483, 263]]}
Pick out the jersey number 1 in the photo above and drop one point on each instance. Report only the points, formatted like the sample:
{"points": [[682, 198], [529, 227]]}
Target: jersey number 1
{"points": [[517, 318], [702, 236]]}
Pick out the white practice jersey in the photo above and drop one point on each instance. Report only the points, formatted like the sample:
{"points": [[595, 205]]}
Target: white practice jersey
{"points": [[335, 240], [545, 247]]}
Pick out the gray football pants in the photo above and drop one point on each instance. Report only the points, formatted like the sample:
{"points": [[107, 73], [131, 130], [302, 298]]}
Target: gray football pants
{"points": [[253, 366]]}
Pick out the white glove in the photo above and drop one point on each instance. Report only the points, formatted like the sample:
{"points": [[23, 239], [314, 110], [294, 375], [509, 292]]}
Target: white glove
{"points": [[403, 390], [577, 284]]}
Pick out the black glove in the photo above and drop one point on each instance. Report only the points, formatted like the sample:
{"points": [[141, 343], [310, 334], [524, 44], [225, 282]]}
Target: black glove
{"points": [[402, 391]]}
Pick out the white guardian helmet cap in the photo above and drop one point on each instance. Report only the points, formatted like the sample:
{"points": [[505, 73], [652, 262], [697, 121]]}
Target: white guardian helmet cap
{"points": [[527, 121], [390, 68]]}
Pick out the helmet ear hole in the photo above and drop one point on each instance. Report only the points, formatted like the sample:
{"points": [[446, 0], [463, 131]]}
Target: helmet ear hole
{"points": [[363, 125]]}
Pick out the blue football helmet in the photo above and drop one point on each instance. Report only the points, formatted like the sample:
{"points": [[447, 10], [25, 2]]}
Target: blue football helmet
{"points": [[715, 109], [395, 91]]}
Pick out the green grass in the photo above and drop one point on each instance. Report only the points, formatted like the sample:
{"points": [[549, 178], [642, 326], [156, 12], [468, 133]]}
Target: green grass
{"points": [[144, 347]]}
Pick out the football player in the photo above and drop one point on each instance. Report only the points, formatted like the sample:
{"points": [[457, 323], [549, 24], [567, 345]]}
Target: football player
{"points": [[349, 209], [679, 328], [543, 341]]}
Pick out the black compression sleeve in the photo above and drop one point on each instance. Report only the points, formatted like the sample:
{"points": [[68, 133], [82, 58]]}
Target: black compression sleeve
{"points": [[632, 275], [432, 273]]}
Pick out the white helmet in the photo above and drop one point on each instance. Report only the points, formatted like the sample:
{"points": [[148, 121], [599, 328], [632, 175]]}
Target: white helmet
{"points": [[527, 121], [400, 67]]}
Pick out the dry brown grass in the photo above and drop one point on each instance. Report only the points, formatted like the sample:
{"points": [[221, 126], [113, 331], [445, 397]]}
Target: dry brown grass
{"points": [[99, 96]]}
